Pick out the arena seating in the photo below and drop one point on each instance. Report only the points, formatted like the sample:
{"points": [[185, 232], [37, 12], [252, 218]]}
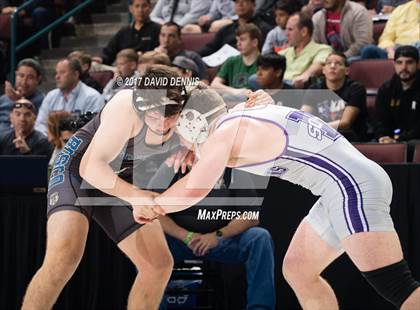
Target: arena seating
{"points": [[416, 158], [378, 28], [384, 153], [372, 73], [102, 77], [194, 42]]}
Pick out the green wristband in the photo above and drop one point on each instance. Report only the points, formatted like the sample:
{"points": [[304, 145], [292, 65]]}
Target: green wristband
{"points": [[188, 237]]}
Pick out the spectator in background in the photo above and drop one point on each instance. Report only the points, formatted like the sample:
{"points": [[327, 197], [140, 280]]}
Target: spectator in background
{"points": [[142, 35], [233, 76], [245, 9], [347, 111], [402, 28], [57, 137], [270, 73], [152, 58], [398, 100], [236, 241], [70, 95], [181, 12], [126, 68], [221, 13], [276, 39], [40, 13], [86, 62], [312, 7], [304, 57], [387, 6], [28, 77], [171, 44], [345, 25], [22, 139], [185, 67]]}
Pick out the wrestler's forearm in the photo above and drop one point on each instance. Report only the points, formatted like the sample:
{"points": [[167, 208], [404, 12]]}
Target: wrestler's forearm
{"points": [[180, 196], [102, 177]]}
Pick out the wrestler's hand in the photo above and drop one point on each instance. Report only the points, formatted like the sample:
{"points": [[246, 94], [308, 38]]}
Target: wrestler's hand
{"points": [[203, 243], [146, 214], [258, 97], [145, 210], [183, 158]]}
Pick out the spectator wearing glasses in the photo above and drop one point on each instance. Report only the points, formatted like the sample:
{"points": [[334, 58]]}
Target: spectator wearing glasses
{"points": [[22, 138]]}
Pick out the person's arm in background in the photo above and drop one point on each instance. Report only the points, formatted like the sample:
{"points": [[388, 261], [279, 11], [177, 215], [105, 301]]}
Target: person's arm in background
{"points": [[388, 36], [356, 101], [201, 244], [383, 132], [197, 8], [156, 14], [41, 119], [314, 69], [269, 43], [214, 45], [362, 27], [110, 51]]}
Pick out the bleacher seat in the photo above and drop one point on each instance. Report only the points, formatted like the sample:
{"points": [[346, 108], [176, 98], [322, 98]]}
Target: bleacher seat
{"points": [[384, 153], [416, 158], [4, 26], [212, 73], [370, 107], [102, 77], [372, 73], [195, 42], [378, 28]]}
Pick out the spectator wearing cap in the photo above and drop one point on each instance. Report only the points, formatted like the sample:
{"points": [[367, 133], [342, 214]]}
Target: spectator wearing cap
{"points": [[232, 78], [142, 35], [172, 45], [185, 67], [345, 25], [28, 77], [398, 100], [22, 138], [276, 39], [70, 95], [245, 9], [402, 28]]}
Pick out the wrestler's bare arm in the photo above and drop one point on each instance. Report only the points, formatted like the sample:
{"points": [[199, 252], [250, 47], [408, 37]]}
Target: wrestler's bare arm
{"points": [[204, 174], [119, 122]]}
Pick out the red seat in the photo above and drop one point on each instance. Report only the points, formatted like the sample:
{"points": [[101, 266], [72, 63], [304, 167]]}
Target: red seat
{"points": [[212, 73], [416, 158], [384, 153], [372, 73], [195, 42], [102, 77], [378, 28], [5, 26], [370, 107]]}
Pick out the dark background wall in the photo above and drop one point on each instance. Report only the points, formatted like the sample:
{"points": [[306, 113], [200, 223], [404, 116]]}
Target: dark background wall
{"points": [[104, 276]]}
